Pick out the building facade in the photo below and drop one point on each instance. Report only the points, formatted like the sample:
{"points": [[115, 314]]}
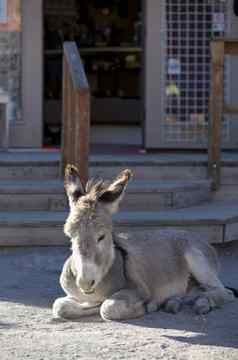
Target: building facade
{"points": [[148, 65]]}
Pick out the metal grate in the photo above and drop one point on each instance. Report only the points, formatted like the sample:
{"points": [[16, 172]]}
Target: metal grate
{"points": [[187, 29]]}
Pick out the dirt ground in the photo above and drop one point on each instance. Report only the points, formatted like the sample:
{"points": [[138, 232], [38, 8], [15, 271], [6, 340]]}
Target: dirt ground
{"points": [[29, 285]]}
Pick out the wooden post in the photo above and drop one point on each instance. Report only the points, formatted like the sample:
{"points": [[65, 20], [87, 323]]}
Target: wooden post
{"points": [[4, 122], [76, 112], [71, 126], [82, 133], [216, 110], [65, 110]]}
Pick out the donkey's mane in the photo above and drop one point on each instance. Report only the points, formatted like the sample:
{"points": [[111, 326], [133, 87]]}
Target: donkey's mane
{"points": [[96, 186]]}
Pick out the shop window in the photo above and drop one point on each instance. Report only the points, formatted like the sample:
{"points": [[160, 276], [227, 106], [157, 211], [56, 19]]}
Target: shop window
{"points": [[109, 37]]}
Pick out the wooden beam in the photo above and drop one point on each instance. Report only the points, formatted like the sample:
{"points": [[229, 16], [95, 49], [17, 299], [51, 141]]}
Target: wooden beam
{"points": [[76, 112], [231, 47], [76, 69], [82, 134], [65, 111], [230, 109]]}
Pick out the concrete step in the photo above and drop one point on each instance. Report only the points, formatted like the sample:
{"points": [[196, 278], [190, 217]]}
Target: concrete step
{"points": [[216, 222], [166, 166], [37, 164], [29, 165], [173, 165], [38, 195], [159, 195], [151, 195], [151, 166], [40, 165]]}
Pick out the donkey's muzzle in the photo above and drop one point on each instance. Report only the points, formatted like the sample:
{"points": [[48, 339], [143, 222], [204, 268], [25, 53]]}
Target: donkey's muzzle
{"points": [[86, 286]]}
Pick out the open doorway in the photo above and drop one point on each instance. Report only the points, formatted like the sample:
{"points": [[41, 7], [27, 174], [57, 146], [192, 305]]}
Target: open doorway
{"points": [[108, 34]]}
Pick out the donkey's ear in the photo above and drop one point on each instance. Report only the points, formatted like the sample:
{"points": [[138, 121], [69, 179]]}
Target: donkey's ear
{"points": [[73, 184], [113, 195]]}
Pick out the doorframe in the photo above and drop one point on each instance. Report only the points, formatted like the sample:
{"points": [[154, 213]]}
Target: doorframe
{"points": [[152, 73], [28, 131]]}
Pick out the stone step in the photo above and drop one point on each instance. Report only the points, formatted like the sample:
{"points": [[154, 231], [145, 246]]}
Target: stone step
{"points": [[40, 165], [151, 195], [216, 222], [183, 166], [25, 165], [171, 165], [39, 195], [158, 195], [151, 166]]}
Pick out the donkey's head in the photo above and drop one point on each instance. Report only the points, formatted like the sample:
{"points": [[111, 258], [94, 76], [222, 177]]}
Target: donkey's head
{"points": [[89, 224]]}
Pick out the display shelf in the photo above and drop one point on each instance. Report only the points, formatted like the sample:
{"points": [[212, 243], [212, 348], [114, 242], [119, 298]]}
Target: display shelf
{"points": [[109, 78], [109, 110], [105, 110], [60, 8], [96, 50], [108, 49], [59, 12]]}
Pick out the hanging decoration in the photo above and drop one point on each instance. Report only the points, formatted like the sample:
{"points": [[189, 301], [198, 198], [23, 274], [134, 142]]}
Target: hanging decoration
{"points": [[198, 118], [172, 89], [218, 22], [174, 66]]}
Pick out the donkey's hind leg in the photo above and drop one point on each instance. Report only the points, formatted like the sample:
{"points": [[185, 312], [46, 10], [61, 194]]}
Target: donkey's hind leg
{"points": [[173, 305], [214, 294], [68, 308], [125, 304]]}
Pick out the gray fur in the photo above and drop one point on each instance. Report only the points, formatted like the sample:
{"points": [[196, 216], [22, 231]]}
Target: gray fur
{"points": [[122, 277]]}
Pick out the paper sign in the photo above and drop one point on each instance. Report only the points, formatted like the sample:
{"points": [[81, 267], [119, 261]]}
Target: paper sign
{"points": [[171, 119], [198, 118], [172, 89], [218, 22], [174, 67], [3, 11]]}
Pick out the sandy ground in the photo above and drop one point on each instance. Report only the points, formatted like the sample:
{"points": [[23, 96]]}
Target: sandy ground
{"points": [[29, 285]]}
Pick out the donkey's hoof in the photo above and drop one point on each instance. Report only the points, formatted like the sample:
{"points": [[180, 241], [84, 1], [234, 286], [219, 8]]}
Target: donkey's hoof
{"points": [[202, 305], [173, 305], [152, 306]]}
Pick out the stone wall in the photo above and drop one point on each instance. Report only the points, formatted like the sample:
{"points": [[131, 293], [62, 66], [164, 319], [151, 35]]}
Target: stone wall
{"points": [[10, 58]]}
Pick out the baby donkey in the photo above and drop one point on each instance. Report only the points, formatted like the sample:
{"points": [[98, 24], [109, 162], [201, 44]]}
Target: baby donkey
{"points": [[123, 277]]}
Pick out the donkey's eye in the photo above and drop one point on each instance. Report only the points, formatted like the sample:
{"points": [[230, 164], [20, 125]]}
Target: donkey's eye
{"points": [[102, 237]]}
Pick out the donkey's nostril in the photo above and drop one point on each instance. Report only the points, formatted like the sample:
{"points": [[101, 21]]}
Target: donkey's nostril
{"points": [[92, 283]]}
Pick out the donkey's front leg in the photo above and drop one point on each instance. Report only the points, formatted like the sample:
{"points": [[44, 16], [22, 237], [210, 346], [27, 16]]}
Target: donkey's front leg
{"points": [[124, 304], [69, 308]]}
